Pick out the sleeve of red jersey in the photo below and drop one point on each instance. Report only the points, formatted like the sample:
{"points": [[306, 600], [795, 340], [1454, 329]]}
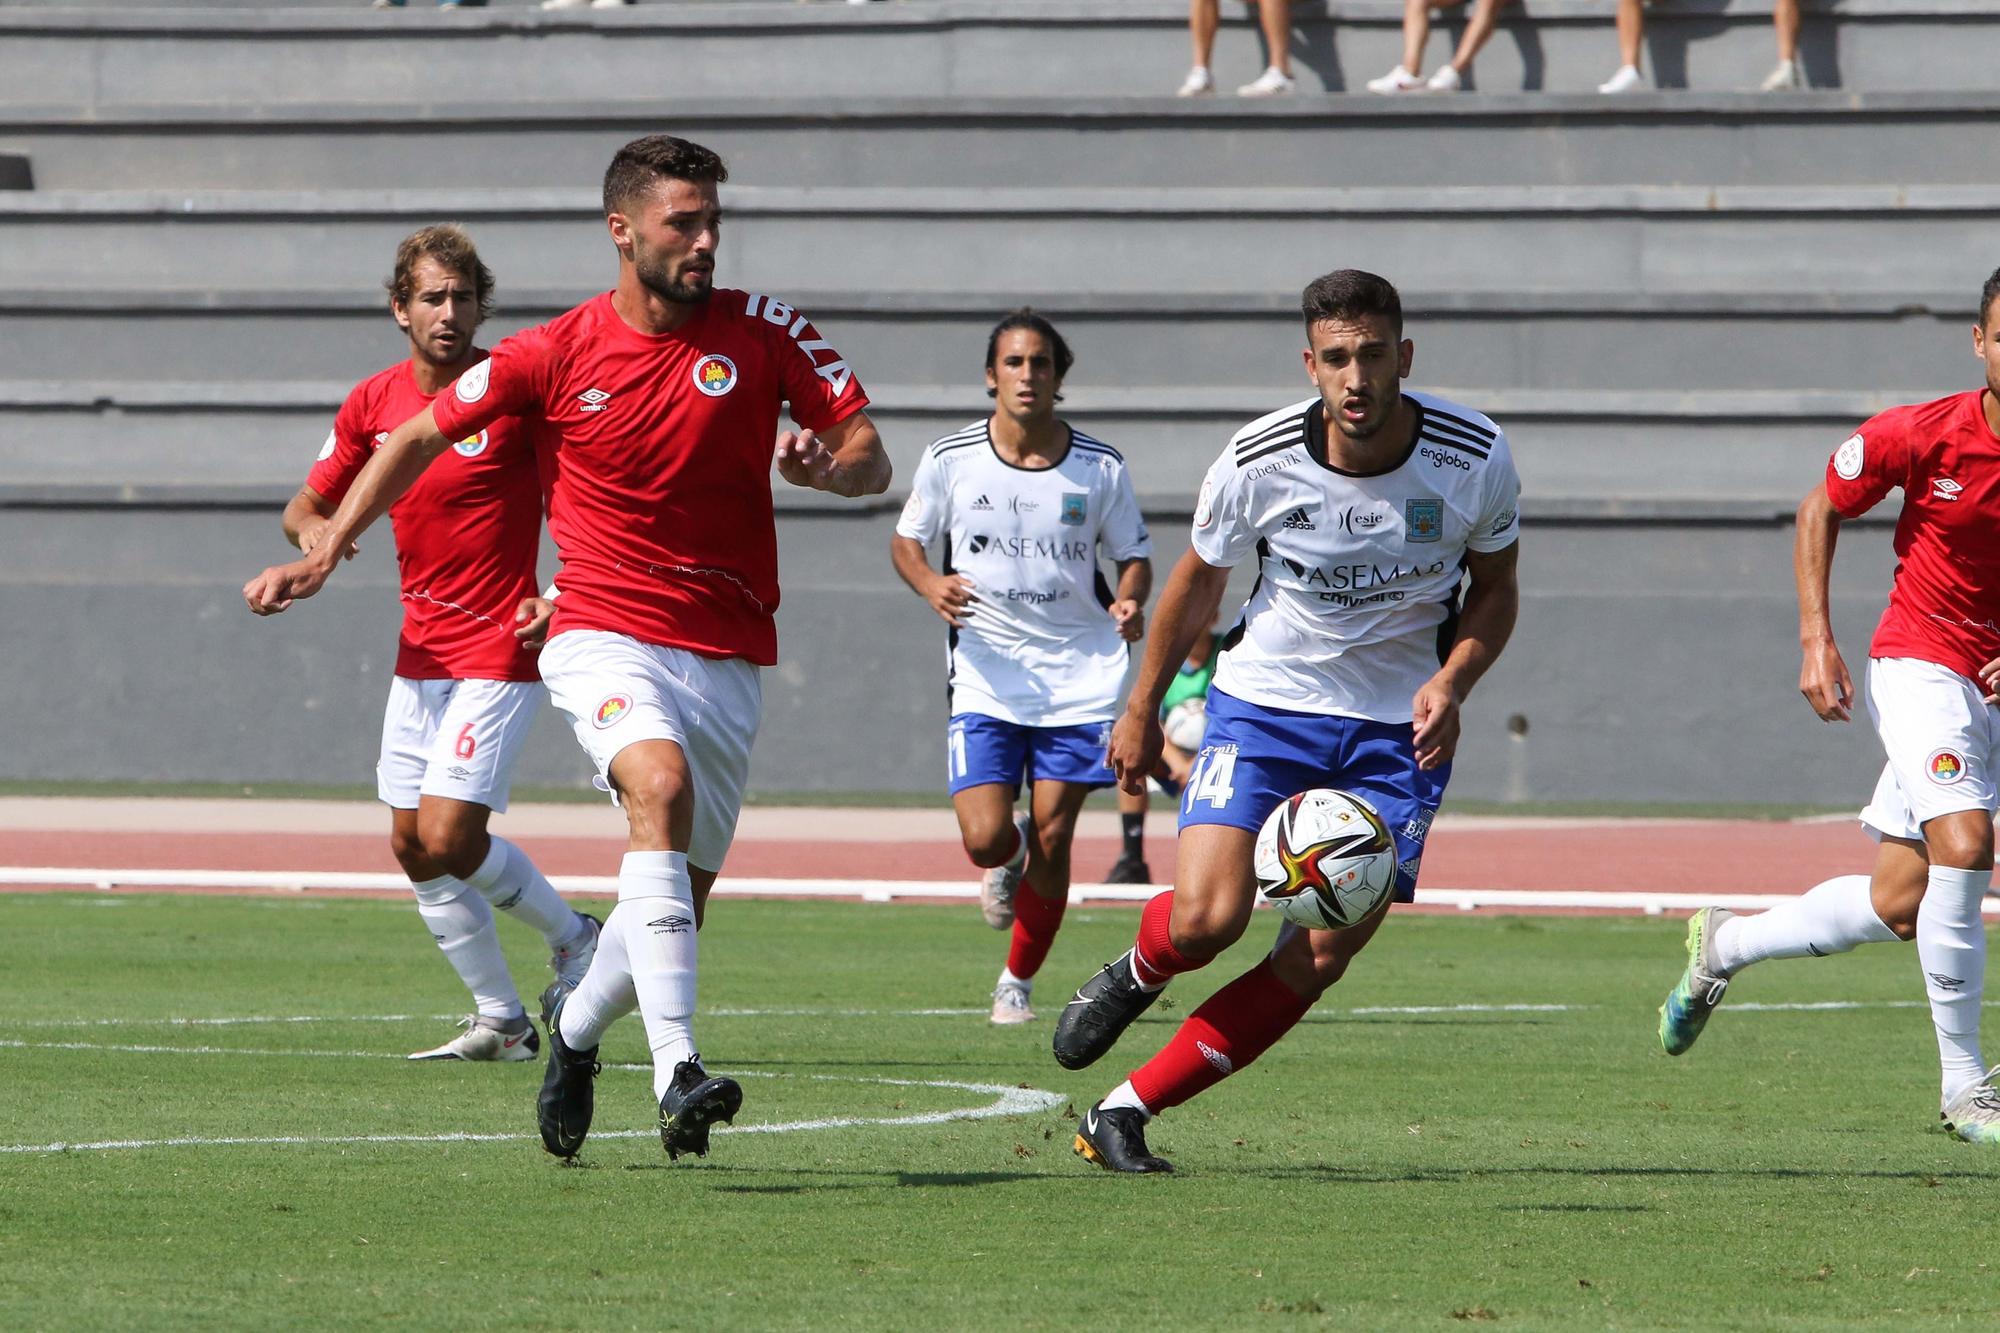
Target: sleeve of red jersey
{"points": [[344, 454], [819, 384], [1868, 465], [512, 381]]}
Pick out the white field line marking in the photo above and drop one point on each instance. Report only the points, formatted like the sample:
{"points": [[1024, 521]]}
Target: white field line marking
{"points": [[870, 890]]}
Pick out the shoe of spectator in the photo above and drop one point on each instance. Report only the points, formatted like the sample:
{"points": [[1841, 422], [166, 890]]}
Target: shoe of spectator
{"points": [[611, 4], [1446, 80], [565, 4], [1271, 83], [1626, 80], [1397, 80], [1786, 78], [1198, 83], [388, 4]]}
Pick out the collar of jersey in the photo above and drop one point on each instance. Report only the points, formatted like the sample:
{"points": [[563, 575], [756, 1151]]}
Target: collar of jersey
{"points": [[1315, 424]]}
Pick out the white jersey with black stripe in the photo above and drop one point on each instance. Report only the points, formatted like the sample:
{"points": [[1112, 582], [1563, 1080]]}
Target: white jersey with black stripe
{"points": [[1358, 576], [1038, 647]]}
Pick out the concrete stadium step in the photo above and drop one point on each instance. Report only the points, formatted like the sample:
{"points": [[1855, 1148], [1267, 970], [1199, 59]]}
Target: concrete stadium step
{"points": [[1712, 139], [1516, 340], [940, 48], [1887, 239], [228, 439]]}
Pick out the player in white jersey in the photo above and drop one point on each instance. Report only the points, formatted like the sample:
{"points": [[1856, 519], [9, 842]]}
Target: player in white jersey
{"points": [[1369, 508], [1022, 503]]}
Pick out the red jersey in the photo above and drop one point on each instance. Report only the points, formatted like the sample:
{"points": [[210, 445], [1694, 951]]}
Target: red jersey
{"points": [[1945, 604], [466, 534], [662, 506]]}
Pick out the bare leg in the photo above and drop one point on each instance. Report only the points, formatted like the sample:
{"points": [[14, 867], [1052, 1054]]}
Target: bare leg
{"points": [[1277, 22], [986, 823], [1785, 19], [1485, 17], [1203, 16], [1631, 31]]}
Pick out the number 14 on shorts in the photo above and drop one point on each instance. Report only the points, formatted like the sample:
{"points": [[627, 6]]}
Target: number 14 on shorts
{"points": [[1213, 779]]}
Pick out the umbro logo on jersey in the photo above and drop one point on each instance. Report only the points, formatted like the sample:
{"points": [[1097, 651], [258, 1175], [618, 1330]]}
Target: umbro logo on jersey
{"points": [[671, 925], [1299, 521], [593, 400], [1944, 488], [983, 505]]}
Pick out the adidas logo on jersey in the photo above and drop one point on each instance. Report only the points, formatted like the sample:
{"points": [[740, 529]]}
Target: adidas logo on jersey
{"points": [[593, 400], [1299, 521], [983, 503]]}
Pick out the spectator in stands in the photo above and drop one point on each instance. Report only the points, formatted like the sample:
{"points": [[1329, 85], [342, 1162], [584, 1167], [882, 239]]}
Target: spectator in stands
{"points": [[1417, 30], [586, 4], [1787, 77], [1275, 81]]}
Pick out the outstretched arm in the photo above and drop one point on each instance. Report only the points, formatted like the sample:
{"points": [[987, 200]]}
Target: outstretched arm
{"points": [[1823, 678], [387, 477], [1186, 610], [1492, 604]]}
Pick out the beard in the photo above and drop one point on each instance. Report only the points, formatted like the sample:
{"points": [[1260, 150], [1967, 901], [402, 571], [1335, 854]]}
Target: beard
{"points": [[691, 288]]}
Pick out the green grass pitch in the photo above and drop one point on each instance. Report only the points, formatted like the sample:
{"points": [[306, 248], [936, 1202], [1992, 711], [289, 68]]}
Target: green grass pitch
{"points": [[1529, 1168]]}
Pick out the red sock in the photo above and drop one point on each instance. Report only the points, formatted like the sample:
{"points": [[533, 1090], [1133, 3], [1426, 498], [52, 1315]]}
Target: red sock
{"points": [[1232, 1028], [1156, 959], [1036, 920]]}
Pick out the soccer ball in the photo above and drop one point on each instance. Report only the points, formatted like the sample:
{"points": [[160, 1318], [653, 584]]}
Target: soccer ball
{"points": [[1325, 859], [1184, 723]]}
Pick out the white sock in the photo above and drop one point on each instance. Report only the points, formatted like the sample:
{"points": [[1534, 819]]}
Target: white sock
{"points": [[1007, 978], [1951, 946], [1123, 1096], [605, 994], [1828, 918], [462, 924], [508, 880], [655, 915]]}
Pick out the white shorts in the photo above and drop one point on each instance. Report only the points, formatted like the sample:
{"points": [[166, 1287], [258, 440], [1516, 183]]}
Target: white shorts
{"points": [[618, 690], [1943, 743], [453, 738]]}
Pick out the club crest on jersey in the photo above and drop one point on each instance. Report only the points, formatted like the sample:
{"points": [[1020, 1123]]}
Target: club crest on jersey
{"points": [[1847, 458], [471, 386], [1423, 520], [715, 375], [1945, 767], [472, 446], [1073, 509], [613, 708]]}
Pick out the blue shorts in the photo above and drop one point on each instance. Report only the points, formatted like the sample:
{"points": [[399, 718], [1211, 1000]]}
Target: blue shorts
{"points": [[981, 749], [1253, 757]]}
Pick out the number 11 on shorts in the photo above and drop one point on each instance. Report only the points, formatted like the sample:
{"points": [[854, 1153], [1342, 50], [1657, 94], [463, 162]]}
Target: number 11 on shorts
{"points": [[1213, 779]]}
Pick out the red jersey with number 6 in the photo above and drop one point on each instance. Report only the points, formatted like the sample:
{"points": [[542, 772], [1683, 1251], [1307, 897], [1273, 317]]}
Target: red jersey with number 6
{"points": [[466, 534], [1945, 604], [662, 506]]}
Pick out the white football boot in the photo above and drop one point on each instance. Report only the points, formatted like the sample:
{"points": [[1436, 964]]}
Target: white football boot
{"points": [[1010, 1004], [502, 1039], [1974, 1115]]}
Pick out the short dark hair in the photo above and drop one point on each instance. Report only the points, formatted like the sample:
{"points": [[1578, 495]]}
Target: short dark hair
{"points": [[1987, 295], [1349, 294], [448, 244], [657, 157], [1026, 318]]}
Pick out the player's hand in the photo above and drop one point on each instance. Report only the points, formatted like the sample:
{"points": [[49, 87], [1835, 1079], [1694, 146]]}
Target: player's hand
{"points": [[804, 460], [279, 586], [1130, 619], [1824, 681], [1989, 676], [1434, 722], [315, 528], [1136, 740], [532, 618], [952, 597]]}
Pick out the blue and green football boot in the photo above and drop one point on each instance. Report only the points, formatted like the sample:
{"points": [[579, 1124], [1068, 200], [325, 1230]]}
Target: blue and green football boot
{"points": [[1700, 988]]}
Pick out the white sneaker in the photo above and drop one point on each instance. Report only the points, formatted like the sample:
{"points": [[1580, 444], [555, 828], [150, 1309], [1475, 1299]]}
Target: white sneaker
{"points": [[1271, 83], [1626, 80], [1010, 1004], [488, 1039], [1446, 80], [1397, 80], [997, 887], [1198, 83], [1973, 1115], [569, 964], [565, 4], [1787, 77]]}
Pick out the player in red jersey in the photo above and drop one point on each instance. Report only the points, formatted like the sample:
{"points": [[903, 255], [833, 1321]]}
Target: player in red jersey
{"points": [[665, 393], [1933, 674], [465, 691]]}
